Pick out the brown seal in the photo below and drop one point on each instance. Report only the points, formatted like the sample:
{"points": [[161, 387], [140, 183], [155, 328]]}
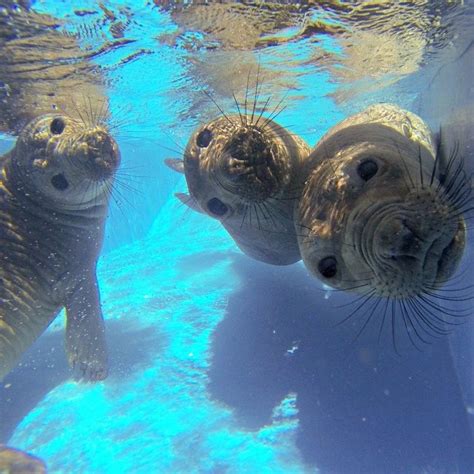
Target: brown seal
{"points": [[54, 191], [14, 461], [246, 172], [382, 210]]}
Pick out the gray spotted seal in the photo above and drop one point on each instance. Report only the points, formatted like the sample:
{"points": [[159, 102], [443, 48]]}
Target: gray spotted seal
{"points": [[245, 172], [14, 461], [381, 213], [54, 191]]}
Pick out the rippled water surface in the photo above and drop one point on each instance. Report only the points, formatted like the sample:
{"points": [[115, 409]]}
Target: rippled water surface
{"points": [[283, 396]]}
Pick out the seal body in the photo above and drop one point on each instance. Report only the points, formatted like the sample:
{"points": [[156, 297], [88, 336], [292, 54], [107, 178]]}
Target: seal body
{"points": [[381, 209], [248, 175], [54, 190]]}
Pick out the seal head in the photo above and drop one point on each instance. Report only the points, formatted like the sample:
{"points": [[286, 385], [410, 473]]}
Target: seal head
{"points": [[246, 174], [379, 215], [65, 161]]}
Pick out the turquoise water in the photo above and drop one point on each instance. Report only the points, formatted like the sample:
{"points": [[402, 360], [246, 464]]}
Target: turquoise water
{"points": [[220, 364]]}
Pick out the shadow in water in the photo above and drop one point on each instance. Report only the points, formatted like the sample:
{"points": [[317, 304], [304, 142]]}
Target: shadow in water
{"points": [[44, 366], [362, 408]]}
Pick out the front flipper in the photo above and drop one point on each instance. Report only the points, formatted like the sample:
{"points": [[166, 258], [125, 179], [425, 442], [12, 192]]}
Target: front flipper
{"points": [[175, 164], [189, 201], [85, 331]]}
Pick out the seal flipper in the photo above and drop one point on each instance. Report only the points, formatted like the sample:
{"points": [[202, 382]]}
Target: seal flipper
{"points": [[86, 346], [189, 201], [175, 164]]}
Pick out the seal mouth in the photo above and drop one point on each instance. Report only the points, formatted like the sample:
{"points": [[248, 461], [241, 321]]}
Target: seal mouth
{"points": [[60, 182]]}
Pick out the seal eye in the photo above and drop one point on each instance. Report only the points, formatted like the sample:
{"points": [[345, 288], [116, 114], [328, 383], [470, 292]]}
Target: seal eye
{"points": [[204, 138], [328, 267], [60, 182], [367, 169], [216, 207], [57, 126]]}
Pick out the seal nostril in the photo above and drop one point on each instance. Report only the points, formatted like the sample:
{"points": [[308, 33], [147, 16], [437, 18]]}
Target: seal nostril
{"points": [[204, 138], [216, 207], [328, 267], [57, 126], [60, 182], [367, 169]]}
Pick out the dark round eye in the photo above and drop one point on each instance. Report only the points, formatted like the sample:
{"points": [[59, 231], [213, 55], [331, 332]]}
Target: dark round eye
{"points": [[57, 126], [60, 182], [328, 267], [367, 169], [204, 138], [216, 207]]}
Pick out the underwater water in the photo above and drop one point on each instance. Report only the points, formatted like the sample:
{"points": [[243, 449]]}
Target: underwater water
{"points": [[220, 363]]}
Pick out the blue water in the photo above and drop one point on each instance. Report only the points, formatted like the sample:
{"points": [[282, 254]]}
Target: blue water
{"points": [[220, 364]]}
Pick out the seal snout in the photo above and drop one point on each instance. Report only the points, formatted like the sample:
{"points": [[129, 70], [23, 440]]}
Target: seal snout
{"points": [[398, 238], [102, 154], [415, 252], [250, 165]]}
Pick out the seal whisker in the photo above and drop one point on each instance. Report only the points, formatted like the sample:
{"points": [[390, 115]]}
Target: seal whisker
{"points": [[409, 326], [453, 181], [420, 166], [448, 298], [257, 93], [264, 108], [394, 336], [269, 213], [93, 114], [115, 190], [276, 113], [246, 97], [447, 172], [357, 299], [238, 109], [448, 290], [348, 288], [382, 322], [371, 314], [400, 154], [427, 324], [436, 160], [78, 112], [455, 313], [119, 183], [365, 298], [434, 316], [218, 107]]}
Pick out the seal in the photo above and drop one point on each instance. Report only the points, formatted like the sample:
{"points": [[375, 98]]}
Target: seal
{"points": [[245, 172], [14, 461], [382, 212], [54, 192]]}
